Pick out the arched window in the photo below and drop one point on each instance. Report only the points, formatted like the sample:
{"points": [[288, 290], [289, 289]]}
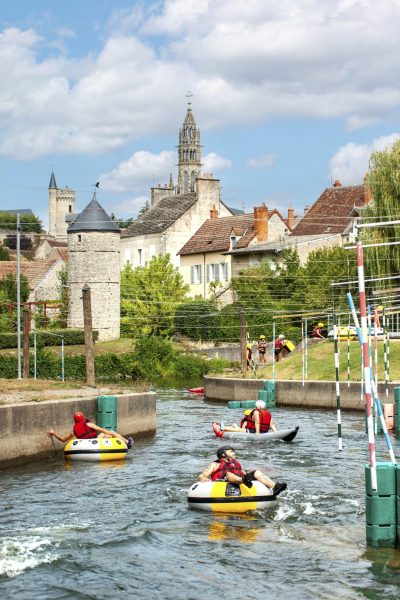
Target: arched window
{"points": [[185, 182]]}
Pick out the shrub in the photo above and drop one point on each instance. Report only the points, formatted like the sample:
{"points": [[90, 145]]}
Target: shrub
{"points": [[45, 338], [198, 320]]}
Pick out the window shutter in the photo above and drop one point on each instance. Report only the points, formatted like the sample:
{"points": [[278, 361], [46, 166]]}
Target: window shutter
{"points": [[208, 273], [192, 268]]}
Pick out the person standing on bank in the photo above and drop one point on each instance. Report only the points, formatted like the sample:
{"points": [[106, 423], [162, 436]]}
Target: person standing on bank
{"points": [[279, 344], [262, 349], [227, 468], [85, 429]]}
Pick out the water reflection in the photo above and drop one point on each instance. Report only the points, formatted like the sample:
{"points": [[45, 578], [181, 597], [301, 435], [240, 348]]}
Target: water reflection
{"points": [[240, 528]]}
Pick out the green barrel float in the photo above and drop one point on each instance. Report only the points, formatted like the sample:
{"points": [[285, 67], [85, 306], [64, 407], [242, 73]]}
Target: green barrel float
{"points": [[268, 397], [380, 506], [234, 404], [107, 412], [397, 395], [248, 404], [269, 385]]}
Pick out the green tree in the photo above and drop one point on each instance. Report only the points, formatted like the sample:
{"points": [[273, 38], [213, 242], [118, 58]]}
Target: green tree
{"points": [[4, 253], [198, 320], [29, 223], [8, 295], [383, 179], [150, 296]]}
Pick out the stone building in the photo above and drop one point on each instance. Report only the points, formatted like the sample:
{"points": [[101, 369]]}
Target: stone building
{"points": [[94, 259], [176, 211], [61, 204]]}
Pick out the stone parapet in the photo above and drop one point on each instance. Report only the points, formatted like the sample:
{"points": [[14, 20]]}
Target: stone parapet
{"points": [[314, 394], [23, 427]]}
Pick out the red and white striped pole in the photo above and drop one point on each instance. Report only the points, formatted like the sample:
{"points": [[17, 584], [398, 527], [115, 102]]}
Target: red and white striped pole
{"points": [[366, 365]]}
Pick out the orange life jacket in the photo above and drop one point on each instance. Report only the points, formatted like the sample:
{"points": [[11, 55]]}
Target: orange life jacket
{"points": [[265, 420], [224, 467]]}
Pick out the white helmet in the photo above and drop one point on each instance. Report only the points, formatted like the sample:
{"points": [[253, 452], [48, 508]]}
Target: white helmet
{"points": [[281, 337], [260, 404]]}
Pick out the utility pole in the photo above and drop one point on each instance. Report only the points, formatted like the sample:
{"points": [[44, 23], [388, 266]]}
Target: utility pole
{"points": [[19, 296], [243, 341], [27, 326], [87, 323]]}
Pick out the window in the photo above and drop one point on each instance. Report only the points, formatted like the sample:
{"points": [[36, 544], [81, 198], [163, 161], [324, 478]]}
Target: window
{"points": [[195, 274], [213, 272], [139, 257], [70, 208], [79, 237], [233, 241], [224, 271]]}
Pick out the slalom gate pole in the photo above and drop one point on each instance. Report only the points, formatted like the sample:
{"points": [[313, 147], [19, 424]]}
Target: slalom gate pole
{"points": [[387, 356], [306, 349], [273, 351], [376, 346], [375, 420], [348, 353], [379, 406], [338, 412], [302, 349], [385, 352]]}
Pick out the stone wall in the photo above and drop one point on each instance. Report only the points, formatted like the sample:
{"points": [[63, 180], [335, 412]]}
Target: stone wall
{"points": [[23, 427], [94, 259], [314, 394], [61, 203]]}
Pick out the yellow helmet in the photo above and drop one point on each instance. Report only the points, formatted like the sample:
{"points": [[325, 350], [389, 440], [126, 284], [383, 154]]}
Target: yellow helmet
{"points": [[320, 325], [262, 337], [248, 345]]}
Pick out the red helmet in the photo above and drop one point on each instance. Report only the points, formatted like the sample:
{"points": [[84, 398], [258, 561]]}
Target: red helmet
{"points": [[79, 416]]}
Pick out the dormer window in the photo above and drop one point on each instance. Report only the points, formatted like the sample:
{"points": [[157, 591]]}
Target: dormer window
{"points": [[233, 241]]}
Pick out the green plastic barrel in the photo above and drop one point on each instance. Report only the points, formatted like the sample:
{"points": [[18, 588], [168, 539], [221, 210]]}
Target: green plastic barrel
{"points": [[381, 536], [106, 404], [107, 420], [234, 404], [386, 479], [248, 404], [269, 386], [264, 395], [397, 471], [380, 510], [397, 395]]}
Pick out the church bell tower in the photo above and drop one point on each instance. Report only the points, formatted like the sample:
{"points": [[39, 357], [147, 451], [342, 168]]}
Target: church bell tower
{"points": [[189, 153]]}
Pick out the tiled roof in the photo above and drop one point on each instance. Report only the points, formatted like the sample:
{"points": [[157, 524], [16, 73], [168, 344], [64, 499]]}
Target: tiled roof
{"points": [[332, 212], [289, 241], [215, 234], [160, 216], [57, 244], [34, 270]]}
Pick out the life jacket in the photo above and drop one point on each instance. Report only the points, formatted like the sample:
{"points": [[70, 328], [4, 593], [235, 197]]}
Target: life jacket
{"points": [[262, 346], [82, 431], [265, 420], [224, 467]]}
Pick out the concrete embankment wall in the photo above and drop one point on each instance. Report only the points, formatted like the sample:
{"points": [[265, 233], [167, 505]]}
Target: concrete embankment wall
{"points": [[23, 427], [314, 394]]}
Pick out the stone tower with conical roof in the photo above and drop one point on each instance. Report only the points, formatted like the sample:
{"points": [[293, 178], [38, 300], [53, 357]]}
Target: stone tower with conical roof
{"points": [[94, 259], [61, 203], [189, 153]]}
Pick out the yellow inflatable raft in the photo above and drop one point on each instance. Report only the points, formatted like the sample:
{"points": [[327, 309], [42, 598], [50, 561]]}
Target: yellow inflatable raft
{"points": [[97, 449], [221, 496]]}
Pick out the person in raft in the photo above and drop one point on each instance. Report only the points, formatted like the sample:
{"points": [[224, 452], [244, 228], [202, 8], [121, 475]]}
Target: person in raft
{"points": [[84, 429], [279, 344], [259, 420], [227, 468]]}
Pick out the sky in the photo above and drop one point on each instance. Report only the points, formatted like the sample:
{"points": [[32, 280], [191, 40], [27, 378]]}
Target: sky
{"points": [[289, 96]]}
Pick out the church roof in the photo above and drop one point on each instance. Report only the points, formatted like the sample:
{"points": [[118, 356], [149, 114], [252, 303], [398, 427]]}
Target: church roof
{"points": [[333, 211], [161, 216], [93, 218]]}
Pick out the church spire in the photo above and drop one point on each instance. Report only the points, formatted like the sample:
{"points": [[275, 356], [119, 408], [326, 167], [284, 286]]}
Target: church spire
{"points": [[189, 152]]}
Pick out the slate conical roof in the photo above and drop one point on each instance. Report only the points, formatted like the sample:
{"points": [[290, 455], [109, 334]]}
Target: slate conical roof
{"points": [[52, 184], [93, 218]]}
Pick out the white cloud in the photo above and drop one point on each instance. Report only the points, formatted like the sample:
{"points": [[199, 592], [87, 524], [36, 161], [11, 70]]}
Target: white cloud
{"points": [[128, 207], [246, 62], [213, 163], [139, 170], [350, 163], [261, 162]]}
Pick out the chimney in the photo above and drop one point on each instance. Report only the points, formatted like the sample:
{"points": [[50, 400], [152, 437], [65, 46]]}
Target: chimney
{"points": [[337, 183], [367, 194], [290, 216], [213, 213], [261, 223]]}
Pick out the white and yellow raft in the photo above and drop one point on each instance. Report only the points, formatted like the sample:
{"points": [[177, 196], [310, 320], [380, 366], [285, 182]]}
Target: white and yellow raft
{"points": [[221, 496], [97, 449]]}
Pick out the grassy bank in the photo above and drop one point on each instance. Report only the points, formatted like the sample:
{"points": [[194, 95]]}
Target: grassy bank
{"points": [[321, 365]]}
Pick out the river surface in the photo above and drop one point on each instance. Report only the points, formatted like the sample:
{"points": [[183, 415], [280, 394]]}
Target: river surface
{"points": [[86, 530]]}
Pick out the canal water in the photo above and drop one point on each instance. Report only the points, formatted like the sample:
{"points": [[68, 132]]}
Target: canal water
{"points": [[124, 530]]}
